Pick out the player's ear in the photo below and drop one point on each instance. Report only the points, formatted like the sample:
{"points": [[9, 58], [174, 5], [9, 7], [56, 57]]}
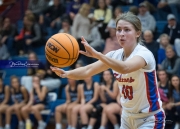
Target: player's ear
{"points": [[138, 34]]}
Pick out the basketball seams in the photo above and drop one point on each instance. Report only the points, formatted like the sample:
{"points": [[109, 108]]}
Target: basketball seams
{"points": [[55, 63], [61, 45], [72, 46], [58, 56], [68, 53]]}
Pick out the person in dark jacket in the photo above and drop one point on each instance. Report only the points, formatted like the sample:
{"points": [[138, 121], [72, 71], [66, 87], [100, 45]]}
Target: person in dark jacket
{"points": [[152, 45], [172, 29]]}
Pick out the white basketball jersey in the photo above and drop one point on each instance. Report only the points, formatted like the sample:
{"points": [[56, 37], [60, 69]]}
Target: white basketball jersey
{"points": [[139, 89]]}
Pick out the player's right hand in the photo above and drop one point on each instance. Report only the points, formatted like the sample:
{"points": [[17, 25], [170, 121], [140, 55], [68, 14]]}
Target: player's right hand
{"points": [[59, 72]]}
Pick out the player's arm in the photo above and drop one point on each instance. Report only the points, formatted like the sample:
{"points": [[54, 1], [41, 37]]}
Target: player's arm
{"points": [[7, 95], [68, 98], [96, 94], [113, 94], [31, 95], [82, 72], [81, 89], [25, 94], [123, 67]]}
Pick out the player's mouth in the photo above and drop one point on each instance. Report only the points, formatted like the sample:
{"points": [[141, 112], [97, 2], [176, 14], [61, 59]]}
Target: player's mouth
{"points": [[122, 40]]}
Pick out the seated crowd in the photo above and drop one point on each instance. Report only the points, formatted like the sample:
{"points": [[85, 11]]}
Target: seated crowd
{"points": [[89, 104]]}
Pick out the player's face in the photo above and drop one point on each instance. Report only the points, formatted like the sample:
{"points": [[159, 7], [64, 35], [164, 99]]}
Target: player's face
{"points": [[170, 53], [87, 80], [101, 4], [164, 41], [107, 76], [126, 34], [71, 81], [15, 83], [162, 76], [175, 81], [32, 57], [36, 80]]}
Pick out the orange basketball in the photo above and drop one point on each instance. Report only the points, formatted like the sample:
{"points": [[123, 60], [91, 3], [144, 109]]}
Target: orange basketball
{"points": [[62, 50]]}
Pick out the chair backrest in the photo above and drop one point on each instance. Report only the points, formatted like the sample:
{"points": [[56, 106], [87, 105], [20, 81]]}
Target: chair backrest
{"points": [[52, 96]]}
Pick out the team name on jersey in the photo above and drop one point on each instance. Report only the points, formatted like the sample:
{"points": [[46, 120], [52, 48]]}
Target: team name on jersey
{"points": [[120, 79]]}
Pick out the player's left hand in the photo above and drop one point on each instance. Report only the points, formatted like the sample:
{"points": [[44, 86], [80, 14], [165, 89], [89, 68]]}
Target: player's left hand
{"points": [[90, 52]]}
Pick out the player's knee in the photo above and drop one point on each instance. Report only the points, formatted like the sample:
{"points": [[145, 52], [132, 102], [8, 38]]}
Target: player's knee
{"points": [[75, 111], [82, 109], [57, 109], [34, 109], [108, 110], [96, 112]]}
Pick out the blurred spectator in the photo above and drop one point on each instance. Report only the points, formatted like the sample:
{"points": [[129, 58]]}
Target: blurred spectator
{"points": [[8, 31], [102, 15], [147, 20], [89, 95], [73, 8], [116, 13], [168, 6], [4, 100], [152, 45], [72, 99], [48, 78], [66, 27], [7, 34], [134, 10], [108, 94], [19, 99], [164, 42], [37, 102], [173, 30], [175, 98], [33, 70], [4, 54], [81, 24], [95, 39], [163, 81], [90, 89], [172, 62], [29, 37], [38, 6], [108, 4], [52, 15], [111, 42]]}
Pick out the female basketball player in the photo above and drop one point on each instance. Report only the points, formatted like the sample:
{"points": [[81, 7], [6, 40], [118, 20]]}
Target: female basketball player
{"points": [[134, 68], [72, 99], [109, 92], [37, 102], [89, 96], [4, 99], [19, 99]]}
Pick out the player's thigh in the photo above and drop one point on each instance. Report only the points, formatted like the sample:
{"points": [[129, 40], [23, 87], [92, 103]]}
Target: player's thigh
{"points": [[3, 108], [76, 108], [113, 108], [156, 121], [87, 108], [71, 105], [18, 107], [37, 107], [61, 108]]}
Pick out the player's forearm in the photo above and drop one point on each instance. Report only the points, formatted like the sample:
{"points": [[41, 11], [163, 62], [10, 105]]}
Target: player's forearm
{"points": [[116, 65]]}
